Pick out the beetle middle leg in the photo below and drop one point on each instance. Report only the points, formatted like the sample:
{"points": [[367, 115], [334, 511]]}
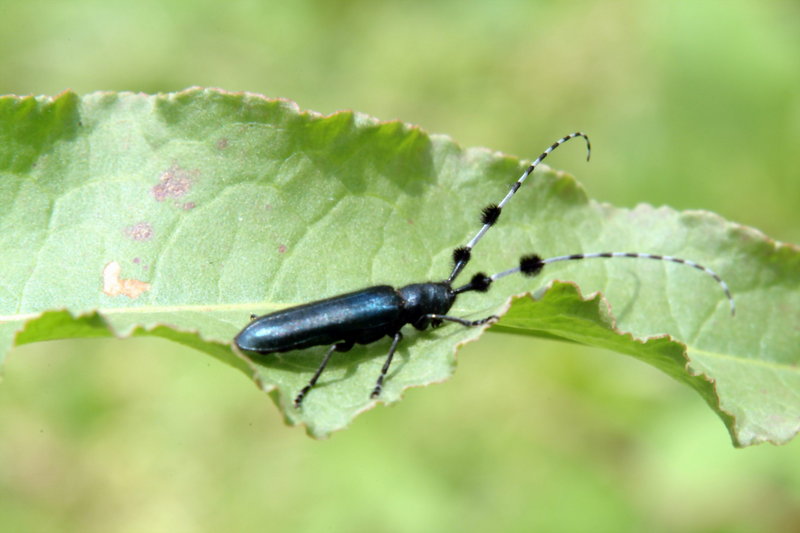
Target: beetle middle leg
{"points": [[470, 323], [379, 384], [337, 347]]}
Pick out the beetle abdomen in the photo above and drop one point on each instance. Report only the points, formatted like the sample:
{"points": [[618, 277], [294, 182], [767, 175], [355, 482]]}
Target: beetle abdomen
{"points": [[362, 316]]}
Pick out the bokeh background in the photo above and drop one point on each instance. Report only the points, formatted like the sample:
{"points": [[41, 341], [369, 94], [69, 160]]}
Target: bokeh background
{"points": [[692, 104]]}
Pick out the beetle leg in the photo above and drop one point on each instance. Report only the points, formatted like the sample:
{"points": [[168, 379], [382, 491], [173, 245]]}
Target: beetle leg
{"points": [[379, 384], [342, 347], [462, 321]]}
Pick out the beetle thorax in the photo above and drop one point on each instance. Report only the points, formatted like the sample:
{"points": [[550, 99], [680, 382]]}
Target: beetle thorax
{"points": [[422, 299]]}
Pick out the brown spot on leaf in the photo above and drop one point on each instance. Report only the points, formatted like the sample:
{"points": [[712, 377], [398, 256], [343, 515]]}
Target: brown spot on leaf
{"points": [[282, 249], [222, 143], [174, 183], [142, 231], [188, 206], [113, 285]]}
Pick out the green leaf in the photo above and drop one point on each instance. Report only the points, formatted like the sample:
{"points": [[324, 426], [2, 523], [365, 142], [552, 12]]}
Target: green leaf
{"points": [[179, 215]]}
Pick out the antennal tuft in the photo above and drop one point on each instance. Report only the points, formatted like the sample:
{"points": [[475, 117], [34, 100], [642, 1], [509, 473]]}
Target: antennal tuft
{"points": [[480, 282], [530, 265], [461, 254], [490, 214]]}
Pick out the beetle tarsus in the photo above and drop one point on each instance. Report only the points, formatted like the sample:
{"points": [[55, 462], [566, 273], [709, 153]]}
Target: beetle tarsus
{"points": [[462, 321], [298, 401], [302, 394], [379, 383]]}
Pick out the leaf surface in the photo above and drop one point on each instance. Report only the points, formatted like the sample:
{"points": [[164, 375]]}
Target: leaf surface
{"points": [[179, 215]]}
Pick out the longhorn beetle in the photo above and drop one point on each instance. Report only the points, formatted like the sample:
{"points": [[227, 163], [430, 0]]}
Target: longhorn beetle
{"points": [[369, 314]]}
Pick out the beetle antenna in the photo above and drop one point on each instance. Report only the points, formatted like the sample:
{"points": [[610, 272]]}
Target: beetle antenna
{"points": [[532, 265], [491, 212]]}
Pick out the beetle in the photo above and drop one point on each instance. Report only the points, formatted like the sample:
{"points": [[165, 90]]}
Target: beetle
{"points": [[367, 315]]}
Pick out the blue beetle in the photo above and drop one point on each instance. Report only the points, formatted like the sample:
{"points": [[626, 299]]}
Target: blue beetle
{"points": [[367, 315]]}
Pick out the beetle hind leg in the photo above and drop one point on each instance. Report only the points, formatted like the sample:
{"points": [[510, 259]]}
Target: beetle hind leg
{"points": [[340, 347]]}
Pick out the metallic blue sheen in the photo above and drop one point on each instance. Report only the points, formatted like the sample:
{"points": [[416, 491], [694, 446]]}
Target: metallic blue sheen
{"points": [[362, 317]]}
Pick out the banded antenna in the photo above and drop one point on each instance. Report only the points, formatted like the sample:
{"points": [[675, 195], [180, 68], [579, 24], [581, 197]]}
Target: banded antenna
{"points": [[532, 265], [491, 212]]}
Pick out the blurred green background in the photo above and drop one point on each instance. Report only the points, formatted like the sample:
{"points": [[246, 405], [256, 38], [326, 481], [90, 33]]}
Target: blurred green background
{"points": [[691, 104]]}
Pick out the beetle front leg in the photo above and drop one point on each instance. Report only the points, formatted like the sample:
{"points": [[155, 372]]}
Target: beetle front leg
{"points": [[462, 321]]}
